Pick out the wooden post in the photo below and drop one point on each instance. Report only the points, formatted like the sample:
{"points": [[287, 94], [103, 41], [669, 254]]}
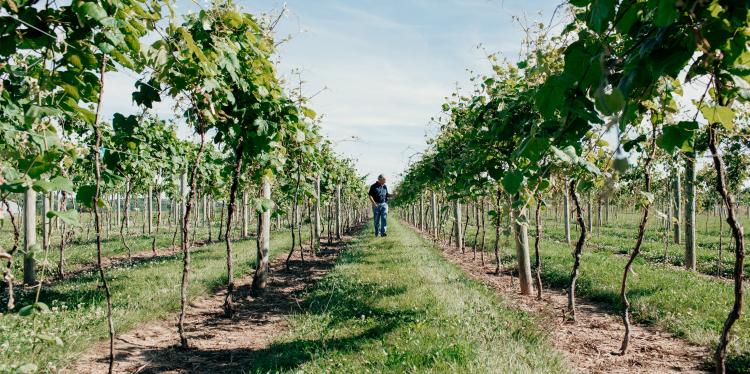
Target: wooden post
{"points": [[433, 203], [29, 235], [421, 211], [676, 206], [260, 279], [46, 223], [522, 249], [183, 196], [338, 211], [316, 235], [205, 213], [158, 210], [566, 213], [245, 232], [144, 211], [127, 208], [119, 209], [690, 180], [150, 209], [58, 204], [606, 211], [458, 228]]}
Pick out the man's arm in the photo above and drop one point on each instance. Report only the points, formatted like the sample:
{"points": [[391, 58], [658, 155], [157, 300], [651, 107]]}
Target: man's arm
{"points": [[369, 196]]}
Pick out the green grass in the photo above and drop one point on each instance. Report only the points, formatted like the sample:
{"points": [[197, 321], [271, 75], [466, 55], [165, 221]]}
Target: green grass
{"points": [[395, 305], [80, 252], [142, 292], [619, 237]]}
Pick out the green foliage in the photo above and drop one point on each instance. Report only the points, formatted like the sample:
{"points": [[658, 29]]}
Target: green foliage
{"points": [[69, 217], [521, 126], [719, 114], [512, 182], [679, 136], [49, 82]]}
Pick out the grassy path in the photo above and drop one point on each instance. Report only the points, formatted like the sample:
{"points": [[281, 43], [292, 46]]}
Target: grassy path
{"points": [[395, 305]]}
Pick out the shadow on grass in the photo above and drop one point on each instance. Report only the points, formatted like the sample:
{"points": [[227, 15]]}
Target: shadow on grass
{"points": [[62, 290], [277, 357], [290, 355], [738, 363], [339, 300], [74, 289], [559, 278], [81, 294]]}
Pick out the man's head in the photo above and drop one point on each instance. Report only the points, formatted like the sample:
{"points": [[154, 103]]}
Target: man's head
{"points": [[381, 179]]}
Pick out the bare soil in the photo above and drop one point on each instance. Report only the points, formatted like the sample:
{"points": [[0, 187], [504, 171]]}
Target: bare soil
{"points": [[592, 343], [217, 344]]}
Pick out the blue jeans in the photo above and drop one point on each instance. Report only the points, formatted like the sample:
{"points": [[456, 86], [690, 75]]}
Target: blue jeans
{"points": [[380, 213]]}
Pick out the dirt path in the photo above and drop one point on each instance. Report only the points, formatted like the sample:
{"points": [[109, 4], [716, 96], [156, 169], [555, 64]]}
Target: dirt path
{"points": [[218, 344], [591, 343]]}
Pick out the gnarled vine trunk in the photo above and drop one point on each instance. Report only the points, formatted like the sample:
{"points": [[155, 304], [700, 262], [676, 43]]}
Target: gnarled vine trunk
{"points": [[576, 253], [537, 240], [239, 155], [294, 222], [8, 271], [185, 245], [124, 223], [638, 243], [739, 248], [498, 221], [97, 220]]}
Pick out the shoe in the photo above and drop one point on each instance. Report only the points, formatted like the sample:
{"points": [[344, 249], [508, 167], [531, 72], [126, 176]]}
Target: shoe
{"points": [[383, 234]]}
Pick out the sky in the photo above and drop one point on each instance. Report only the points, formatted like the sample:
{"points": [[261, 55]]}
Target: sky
{"points": [[380, 69]]}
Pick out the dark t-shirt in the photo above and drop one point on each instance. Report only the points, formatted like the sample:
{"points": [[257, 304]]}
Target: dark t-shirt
{"points": [[379, 193]]}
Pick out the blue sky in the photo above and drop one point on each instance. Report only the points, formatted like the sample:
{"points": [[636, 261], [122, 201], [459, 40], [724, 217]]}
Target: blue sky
{"points": [[387, 65]]}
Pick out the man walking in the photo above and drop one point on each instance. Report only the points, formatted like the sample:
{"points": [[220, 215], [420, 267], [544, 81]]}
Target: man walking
{"points": [[379, 197]]}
